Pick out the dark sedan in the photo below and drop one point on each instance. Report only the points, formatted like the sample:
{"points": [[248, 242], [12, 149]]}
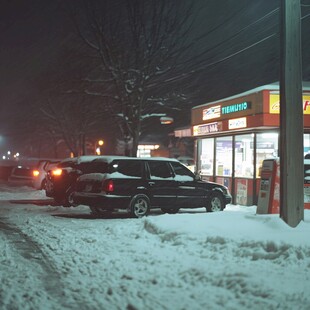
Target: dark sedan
{"points": [[138, 184]]}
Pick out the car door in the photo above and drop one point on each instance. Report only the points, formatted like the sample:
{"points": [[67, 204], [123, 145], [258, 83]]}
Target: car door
{"points": [[129, 179], [189, 193], [162, 187]]}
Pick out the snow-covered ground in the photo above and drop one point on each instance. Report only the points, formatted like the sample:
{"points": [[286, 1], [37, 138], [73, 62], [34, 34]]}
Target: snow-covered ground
{"points": [[57, 258]]}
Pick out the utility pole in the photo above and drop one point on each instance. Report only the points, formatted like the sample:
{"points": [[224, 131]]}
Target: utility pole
{"points": [[291, 116]]}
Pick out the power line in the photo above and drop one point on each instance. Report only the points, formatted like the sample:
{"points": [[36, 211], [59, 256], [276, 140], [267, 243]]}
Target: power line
{"points": [[269, 14], [305, 16], [238, 52], [183, 76]]}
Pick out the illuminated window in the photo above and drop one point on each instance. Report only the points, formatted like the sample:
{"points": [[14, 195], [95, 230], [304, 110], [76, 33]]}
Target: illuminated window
{"points": [[207, 156], [244, 152], [266, 147], [223, 156]]}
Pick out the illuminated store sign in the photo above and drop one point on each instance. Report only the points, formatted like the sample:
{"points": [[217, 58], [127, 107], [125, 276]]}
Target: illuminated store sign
{"points": [[200, 130], [210, 113], [237, 123], [274, 104], [233, 108]]}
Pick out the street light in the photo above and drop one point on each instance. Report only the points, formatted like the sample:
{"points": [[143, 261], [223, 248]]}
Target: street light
{"points": [[166, 120], [98, 145]]}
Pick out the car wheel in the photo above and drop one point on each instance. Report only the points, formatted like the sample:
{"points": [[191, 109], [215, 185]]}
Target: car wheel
{"points": [[170, 210], [69, 202], [216, 202], [43, 184], [139, 206]]}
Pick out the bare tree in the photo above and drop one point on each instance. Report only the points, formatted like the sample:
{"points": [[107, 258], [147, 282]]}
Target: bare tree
{"points": [[139, 46], [71, 119], [67, 115]]}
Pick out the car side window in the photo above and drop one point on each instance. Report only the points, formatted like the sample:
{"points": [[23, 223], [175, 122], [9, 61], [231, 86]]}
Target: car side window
{"points": [[159, 170], [66, 164], [181, 172], [131, 168], [93, 167]]}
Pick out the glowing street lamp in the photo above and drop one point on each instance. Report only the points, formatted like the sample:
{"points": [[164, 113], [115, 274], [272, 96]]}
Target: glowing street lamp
{"points": [[166, 120], [98, 149]]}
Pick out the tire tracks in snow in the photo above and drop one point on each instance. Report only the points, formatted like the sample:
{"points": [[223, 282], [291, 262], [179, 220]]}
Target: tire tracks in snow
{"points": [[31, 251]]}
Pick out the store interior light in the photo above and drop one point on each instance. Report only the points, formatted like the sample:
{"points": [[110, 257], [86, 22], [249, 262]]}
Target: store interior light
{"points": [[270, 135]]}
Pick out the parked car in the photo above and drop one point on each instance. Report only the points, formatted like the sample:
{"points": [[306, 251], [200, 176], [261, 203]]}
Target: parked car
{"points": [[39, 172], [138, 184], [60, 181], [23, 172], [6, 167]]}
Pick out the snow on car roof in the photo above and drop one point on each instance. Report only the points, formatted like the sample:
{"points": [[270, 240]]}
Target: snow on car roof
{"points": [[81, 159]]}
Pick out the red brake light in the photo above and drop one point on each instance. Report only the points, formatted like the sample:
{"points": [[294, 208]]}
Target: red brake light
{"points": [[35, 173], [57, 172], [108, 186]]}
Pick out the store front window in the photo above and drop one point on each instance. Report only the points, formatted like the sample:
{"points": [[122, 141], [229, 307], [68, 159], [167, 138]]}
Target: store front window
{"points": [[207, 156], [266, 147], [307, 145], [223, 156], [244, 155]]}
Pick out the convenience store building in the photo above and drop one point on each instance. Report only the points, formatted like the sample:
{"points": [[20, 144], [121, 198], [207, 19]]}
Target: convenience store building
{"points": [[234, 135]]}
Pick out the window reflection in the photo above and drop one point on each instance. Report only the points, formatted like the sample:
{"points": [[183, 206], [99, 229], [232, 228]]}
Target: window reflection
{"points": [[266, 147], [244, 156], [223, 156], [207, 156]]}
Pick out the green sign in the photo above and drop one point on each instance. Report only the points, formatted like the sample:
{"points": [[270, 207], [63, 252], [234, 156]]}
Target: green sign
{"points": [[237, 107]]}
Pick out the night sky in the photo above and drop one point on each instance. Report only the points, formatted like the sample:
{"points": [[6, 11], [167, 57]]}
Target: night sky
{"points": [[33, 34]]}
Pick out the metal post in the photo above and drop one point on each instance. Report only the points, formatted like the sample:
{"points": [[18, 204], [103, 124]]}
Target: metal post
{"points": [[291, 116]]}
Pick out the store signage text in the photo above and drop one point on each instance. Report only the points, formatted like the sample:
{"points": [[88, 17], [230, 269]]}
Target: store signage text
{"points": [[233, 108], [210, 113], [237, 123], [200, 130], [274, 104]]}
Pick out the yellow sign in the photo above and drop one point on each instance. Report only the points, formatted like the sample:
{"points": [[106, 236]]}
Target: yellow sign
{"points": [[274, 103]]}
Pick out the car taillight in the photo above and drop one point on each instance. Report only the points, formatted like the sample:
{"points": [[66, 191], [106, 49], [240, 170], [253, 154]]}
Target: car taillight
{"points": [[108, 186], [57, 172], [35, 173]]}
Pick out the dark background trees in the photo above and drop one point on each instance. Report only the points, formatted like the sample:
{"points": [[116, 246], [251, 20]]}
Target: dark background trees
{"points": [[230, 47], [140, 47]]}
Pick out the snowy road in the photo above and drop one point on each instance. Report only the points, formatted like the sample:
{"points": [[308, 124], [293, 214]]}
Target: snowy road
{"points": [[57, 258]]}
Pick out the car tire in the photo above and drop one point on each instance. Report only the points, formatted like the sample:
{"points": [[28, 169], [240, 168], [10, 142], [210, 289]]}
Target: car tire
{"points": [[139, 206], [43, 184], [216, 202], [69, 198], [170, 210]]}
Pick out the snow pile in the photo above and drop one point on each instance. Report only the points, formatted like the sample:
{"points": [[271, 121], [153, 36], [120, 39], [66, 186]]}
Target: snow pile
{"points": [[67, 259]]}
